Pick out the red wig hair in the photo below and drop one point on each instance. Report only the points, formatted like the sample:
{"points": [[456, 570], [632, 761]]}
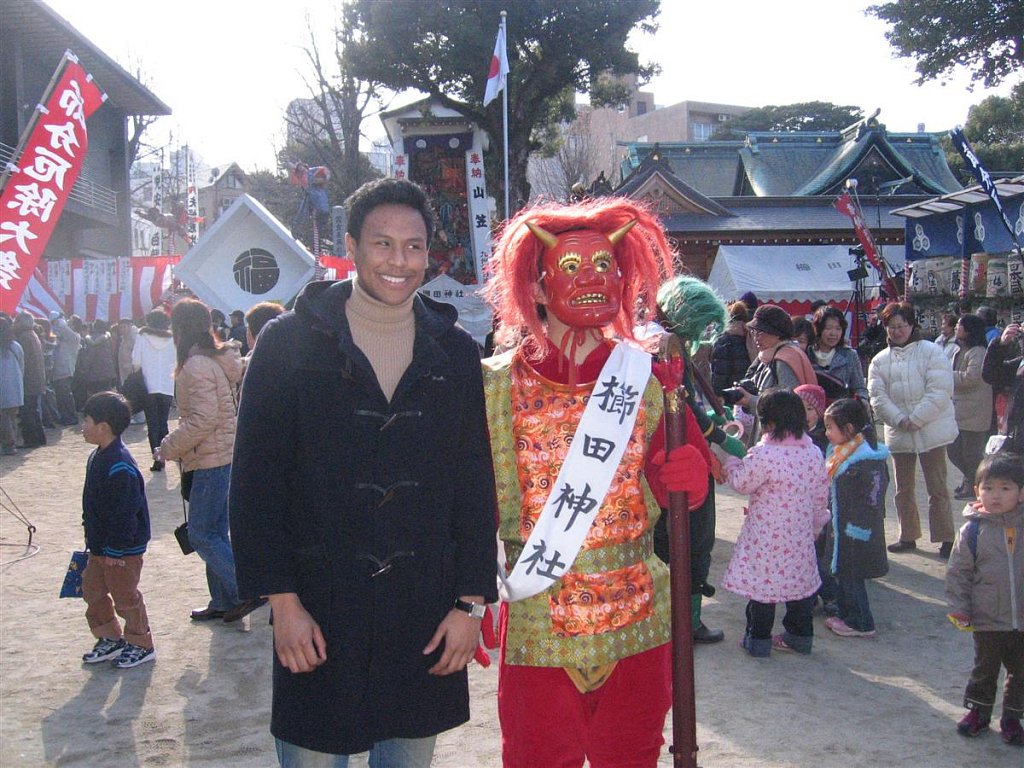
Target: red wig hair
{"points": [[643, 256]]}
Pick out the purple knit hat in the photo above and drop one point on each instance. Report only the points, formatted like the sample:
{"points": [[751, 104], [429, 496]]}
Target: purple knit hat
{"points": [[813, 395]]}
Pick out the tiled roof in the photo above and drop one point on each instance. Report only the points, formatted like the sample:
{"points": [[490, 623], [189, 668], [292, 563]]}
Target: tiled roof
{"points": [[713, 168], [781, 215], [805, 163], [654, 165]]}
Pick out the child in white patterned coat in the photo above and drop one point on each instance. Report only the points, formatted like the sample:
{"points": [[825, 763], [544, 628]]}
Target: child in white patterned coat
{"points": [[774, 560]]}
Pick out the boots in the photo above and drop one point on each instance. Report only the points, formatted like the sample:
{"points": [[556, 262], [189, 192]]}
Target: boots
{"points": [[758, 648], [701, 634]]}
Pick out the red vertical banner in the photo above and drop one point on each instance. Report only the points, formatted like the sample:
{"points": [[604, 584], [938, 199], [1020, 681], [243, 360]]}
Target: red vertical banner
{"points": [[36, 183], [847, 206]]}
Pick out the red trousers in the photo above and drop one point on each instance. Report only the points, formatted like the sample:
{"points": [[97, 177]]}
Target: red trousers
{"points": [[546, 721]]}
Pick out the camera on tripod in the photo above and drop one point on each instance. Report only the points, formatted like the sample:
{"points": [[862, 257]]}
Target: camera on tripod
{"points": [[860, 272]]}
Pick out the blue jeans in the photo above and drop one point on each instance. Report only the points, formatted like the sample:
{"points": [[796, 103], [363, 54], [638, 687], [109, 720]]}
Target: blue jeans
{"points": [[208, 533], [393, 753], [853, 604]]}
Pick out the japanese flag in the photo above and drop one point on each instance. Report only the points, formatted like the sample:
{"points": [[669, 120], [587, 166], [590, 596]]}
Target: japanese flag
{"points": [[499, 69]]}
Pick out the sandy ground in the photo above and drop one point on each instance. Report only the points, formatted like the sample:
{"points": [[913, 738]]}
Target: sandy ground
{"points": [[892, 701]]}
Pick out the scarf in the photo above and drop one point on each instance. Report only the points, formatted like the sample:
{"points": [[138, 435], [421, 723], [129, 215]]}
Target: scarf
{"points": [[840, 453], [824, 358], [789, 353]]}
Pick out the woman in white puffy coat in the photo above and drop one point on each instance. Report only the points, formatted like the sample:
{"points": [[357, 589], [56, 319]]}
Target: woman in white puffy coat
{"points": [[911, 388]]}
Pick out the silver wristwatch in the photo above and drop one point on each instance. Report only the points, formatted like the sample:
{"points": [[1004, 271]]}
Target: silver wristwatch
{"points": [[476, 610]]}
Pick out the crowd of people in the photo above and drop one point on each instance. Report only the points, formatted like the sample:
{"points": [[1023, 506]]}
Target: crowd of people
{"points": [[47, 378], [380, 570], [51, 366]]}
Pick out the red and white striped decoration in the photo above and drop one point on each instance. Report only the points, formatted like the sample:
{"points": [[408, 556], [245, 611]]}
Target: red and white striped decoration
{"points": [[108, 289]]}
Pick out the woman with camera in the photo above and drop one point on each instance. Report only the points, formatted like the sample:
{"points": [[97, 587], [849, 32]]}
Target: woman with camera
{"points": [[780, 363]]}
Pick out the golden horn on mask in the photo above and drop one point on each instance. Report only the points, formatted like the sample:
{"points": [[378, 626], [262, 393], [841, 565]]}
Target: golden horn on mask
{"points": [[620, 233], [549, 240]]}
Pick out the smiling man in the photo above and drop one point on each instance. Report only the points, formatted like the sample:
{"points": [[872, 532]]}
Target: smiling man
{"points": [[362, 500]]}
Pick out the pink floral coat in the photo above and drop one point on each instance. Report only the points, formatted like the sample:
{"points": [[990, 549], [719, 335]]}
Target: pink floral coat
{"points": [[774, 556]]}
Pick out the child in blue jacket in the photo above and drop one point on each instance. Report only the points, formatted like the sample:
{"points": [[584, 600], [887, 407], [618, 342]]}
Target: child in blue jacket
{"points": [[116, 521], [859, 477]]}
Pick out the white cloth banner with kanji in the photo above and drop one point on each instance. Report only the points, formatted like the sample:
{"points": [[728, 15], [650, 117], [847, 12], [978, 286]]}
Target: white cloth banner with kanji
{"points": [[586, 475]]}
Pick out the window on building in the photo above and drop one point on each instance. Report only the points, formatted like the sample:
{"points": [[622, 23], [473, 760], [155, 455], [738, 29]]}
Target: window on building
{"points": [[702, 131], [641, 107]]}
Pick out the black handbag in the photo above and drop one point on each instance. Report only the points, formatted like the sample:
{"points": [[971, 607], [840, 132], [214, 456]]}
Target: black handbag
{"points": [[135, 390], [181, 532]]}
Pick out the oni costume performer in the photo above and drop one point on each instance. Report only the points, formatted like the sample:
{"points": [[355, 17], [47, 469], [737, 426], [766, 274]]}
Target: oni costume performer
{"points": [[577, 442], [689, 308]]}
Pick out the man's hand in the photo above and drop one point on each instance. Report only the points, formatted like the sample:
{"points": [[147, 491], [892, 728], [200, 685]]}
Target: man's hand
{"points": [[298, 641], [460, 633]]}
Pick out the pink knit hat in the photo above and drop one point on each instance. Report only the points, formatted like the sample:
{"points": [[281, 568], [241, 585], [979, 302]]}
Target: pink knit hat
{"points": [[814, 396]]}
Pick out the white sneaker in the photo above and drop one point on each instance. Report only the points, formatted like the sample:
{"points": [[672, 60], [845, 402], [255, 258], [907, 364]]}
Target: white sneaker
{"points": [[133, 655], [103, 650]]}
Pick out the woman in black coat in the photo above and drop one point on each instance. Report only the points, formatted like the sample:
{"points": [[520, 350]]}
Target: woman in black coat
{"points": [[729, 356]]}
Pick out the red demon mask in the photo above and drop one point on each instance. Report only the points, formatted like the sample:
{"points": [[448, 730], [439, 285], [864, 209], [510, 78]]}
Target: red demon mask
{"points": [[580, 277]]}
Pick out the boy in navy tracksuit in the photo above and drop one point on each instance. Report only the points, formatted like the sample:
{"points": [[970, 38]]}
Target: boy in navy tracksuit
{"points": [[116, 521]]}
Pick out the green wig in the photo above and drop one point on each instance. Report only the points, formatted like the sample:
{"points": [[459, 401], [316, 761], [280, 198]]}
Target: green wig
{"points": [[692, 310]]}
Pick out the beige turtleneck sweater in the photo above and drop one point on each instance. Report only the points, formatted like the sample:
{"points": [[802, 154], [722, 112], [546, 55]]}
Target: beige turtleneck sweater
{"points": [[384, 333]]}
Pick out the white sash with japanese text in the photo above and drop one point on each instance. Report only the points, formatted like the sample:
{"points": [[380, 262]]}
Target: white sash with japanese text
{"points": [[586, 474]]}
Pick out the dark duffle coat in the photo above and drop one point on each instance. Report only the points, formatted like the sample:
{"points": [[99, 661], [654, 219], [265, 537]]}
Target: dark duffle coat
{"points": [[377, 514], [858, 514]]}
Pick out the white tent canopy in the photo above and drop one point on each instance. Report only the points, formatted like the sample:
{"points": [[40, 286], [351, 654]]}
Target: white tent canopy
{"points": [[781, 273]]}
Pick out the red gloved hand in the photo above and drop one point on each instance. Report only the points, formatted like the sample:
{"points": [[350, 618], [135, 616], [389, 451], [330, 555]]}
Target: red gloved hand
{"points": [[488, 640], [684, 470]]}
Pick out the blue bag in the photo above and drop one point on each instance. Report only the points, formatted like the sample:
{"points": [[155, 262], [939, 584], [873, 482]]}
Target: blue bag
{"points": [[72, 586]]}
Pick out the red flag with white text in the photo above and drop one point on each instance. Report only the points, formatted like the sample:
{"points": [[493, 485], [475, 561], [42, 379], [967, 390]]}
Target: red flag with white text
{"points": [[36, 183]]}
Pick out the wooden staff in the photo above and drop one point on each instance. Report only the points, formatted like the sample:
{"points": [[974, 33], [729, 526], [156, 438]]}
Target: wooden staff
{"points": [[684, 713], [706, 390]]}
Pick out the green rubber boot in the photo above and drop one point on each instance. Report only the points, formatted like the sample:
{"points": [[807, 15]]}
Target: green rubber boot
{"points": [[701, 634]]}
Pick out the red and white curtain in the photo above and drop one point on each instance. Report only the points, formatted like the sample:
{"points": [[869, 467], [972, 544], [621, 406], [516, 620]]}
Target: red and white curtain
{"points": [[102, 289]]}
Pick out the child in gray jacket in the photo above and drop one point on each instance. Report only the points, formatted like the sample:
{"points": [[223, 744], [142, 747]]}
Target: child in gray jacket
{"points": [[985, 591]]}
